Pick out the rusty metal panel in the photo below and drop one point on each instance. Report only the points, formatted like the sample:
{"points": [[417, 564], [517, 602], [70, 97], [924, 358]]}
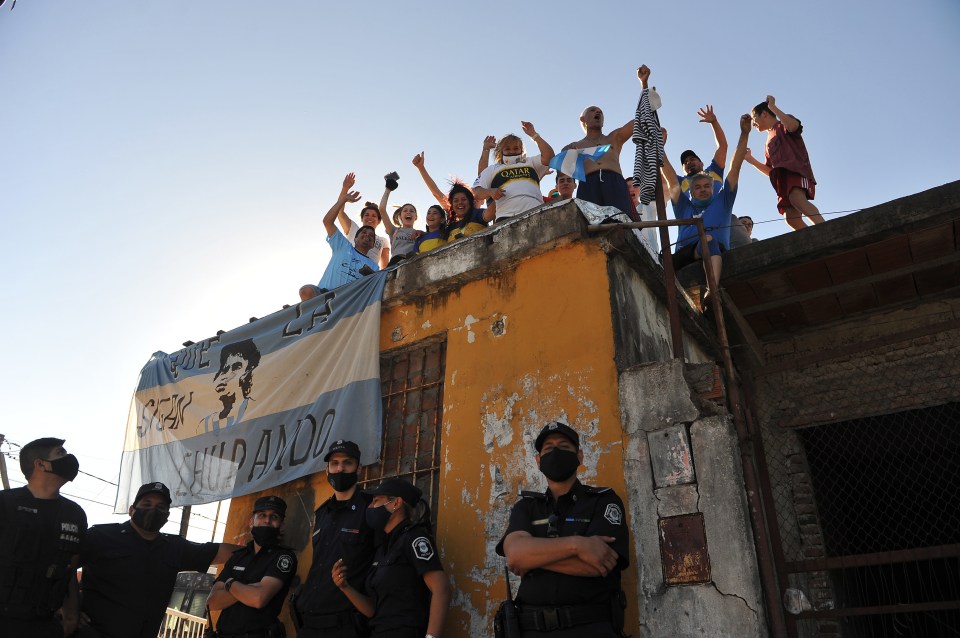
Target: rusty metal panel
{"points": [[683, 550]]}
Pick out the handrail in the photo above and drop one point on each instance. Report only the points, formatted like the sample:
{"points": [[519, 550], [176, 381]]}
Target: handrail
{"points": [[180, 624]]}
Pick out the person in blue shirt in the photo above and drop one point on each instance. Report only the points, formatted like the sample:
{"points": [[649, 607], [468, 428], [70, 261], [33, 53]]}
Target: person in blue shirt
{"points": [[348, 262], [714, 208]]}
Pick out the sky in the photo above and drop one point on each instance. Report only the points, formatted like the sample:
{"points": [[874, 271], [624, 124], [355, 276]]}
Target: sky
{"points": [[164, 167]]}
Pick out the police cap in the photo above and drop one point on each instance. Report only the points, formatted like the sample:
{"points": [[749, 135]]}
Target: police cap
{"points": [[556, 428], [349, 448], [156, 487], [274, 503], [409, 492]]}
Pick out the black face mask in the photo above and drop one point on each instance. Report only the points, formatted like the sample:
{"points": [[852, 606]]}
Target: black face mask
{"points": [[151, 519], [377, 517], [342, 481], [266, 536], [66, 467], [558, 465]]}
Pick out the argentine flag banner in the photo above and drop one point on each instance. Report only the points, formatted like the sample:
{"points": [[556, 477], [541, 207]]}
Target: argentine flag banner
{"points": [[258, 406], [570, 161]]}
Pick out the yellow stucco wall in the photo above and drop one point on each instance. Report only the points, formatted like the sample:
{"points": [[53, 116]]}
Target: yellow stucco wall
{"points": [[553, 359]]}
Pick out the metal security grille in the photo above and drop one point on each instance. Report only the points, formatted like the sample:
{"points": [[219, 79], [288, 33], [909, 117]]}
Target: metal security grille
{"points": [[412, 394], [875, 525]]}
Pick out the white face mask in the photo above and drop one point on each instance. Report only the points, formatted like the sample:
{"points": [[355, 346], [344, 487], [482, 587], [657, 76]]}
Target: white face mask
{"points": [[514, 159]]}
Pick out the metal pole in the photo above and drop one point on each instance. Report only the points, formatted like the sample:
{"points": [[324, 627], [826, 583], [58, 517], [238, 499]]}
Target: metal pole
{"points": [[185, 521], [216, 519], [768, 575], [669, 277]]}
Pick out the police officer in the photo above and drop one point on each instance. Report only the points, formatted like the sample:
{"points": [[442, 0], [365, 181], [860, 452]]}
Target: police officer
{"points": [[130, 568], [253, 584], [569, 546], [40, 537], [407, 593], [340, 530]]}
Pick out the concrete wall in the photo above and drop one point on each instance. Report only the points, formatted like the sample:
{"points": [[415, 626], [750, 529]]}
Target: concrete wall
{"points": [[682, 458]]}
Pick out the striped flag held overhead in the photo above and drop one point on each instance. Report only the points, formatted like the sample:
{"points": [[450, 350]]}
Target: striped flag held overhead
{"points": [[570, 161]]}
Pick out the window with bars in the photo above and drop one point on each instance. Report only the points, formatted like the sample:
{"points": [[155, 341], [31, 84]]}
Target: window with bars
{"points": [[412, 395]]}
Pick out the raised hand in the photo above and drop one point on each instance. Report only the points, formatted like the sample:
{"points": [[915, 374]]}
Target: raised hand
{"points": [[349, 181], [352, 197], [528, 128], [643, 74], [418, 159], [706, 114], [771, 101], [746, 123], [489, 143]]}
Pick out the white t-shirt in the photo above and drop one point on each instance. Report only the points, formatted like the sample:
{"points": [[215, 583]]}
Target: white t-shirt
{"points": [[520, 181], [373, 253]]}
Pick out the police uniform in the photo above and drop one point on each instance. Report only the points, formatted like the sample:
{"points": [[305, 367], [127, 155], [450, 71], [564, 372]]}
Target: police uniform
{"points": [[339, 531], [250, 566], [38, 541], [558, 605], [401, 598], [127, 580]]}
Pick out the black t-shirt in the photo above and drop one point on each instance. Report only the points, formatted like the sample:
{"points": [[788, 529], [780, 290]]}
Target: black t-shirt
{"points": [[583, 511], [340, 530], [127, 580], [39, 539], [401, 598], [249, 566]]}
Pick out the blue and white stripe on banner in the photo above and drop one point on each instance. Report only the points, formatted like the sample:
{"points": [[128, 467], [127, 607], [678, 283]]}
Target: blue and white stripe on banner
{"points": [[570, 161], [257, 406]]}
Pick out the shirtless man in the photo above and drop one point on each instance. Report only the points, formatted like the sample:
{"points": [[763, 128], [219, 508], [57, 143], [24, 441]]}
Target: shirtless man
{"points": [[600, 189]]}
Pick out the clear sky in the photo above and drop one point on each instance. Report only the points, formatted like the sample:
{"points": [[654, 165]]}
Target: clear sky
{"points": [[164, 167]]}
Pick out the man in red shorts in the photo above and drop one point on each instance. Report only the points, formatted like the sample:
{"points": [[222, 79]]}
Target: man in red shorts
{"points": [[787, 164]]}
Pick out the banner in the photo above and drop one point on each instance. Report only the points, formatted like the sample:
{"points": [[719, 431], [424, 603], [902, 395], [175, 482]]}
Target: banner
{"points": [[258, 406]]}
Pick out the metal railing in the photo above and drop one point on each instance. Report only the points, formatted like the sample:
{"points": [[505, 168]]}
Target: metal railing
{"points": [[178, 624]]}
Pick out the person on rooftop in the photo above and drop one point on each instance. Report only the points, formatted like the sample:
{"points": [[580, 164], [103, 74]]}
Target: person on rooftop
{"points": [[787, 164], [403, 235], [715, 209], [348, 262], [604, 185], [514, 181], [691, 163], [464, 218]]}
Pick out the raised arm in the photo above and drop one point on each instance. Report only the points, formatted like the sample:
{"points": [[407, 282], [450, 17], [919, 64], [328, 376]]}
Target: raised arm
{"points": [[789, 122], [489, 143], [431, 185], [707, 115], [546, 151], [622, 134], [346, 195], [387, 222], [733, 175], [757, 164]]}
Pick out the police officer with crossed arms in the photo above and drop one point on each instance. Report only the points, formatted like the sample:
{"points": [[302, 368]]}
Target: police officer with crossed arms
{"points": [[253, 584], [569, 545]]}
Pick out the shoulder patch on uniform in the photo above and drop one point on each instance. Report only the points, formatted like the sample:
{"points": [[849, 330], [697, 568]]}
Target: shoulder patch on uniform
{"points": [[423, 548], [285, 563], [613, 514]]}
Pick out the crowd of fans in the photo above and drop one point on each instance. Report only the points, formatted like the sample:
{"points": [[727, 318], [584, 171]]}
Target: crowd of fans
{"points": [[588, 169]]}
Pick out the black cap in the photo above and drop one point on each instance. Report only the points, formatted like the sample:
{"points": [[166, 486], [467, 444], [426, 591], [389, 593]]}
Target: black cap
{"points": [[687, 153], [349, 448], [409, 492], [157, 487], [274, 503], [557, 428]]}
